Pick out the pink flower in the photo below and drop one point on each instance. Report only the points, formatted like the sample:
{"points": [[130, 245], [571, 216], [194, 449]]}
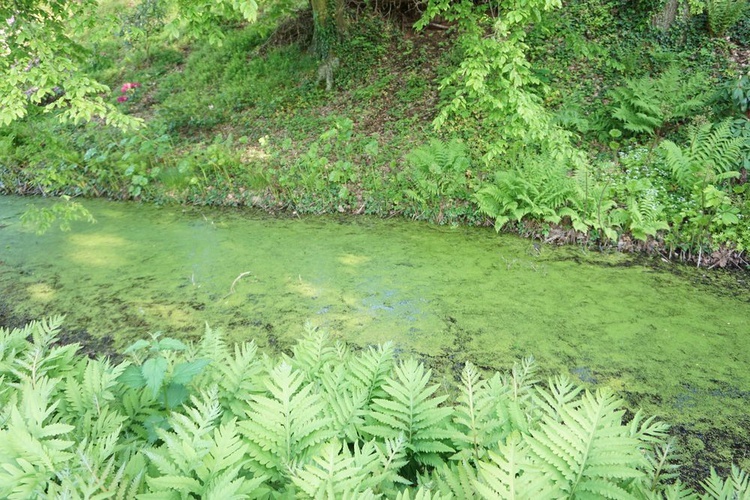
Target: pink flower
{"points": [[122, 98], [129, 86]]}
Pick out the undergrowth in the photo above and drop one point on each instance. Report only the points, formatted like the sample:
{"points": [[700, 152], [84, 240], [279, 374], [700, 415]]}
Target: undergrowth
{"points": [[210, 420], [592, 98]]}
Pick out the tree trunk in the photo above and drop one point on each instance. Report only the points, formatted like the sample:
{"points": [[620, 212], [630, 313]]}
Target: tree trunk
{"points": [[669, 14], [329, 20]]}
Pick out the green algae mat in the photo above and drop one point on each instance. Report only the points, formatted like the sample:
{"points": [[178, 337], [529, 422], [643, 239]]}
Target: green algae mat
{"points": [[670, 339]]}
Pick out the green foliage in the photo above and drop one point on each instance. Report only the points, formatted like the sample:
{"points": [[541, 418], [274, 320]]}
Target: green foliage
{"points": [[737, 485], [493, 82], [711, 156], [64, 211], [645, 216], [68, 430], [165, 380], [438, 175], [413, 414], [200, 457], [146, 19], [540, 189], [702, 170], [723, 14], [41, 64], [738, 92], [648, 105]]}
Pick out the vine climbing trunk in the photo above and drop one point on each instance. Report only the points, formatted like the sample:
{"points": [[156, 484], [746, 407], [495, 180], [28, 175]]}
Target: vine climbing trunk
{"points": [[329, 22], [669, 13]]}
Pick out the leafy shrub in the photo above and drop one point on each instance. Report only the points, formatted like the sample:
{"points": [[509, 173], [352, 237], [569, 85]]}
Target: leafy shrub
{"points": [[540, 189], [437, 176], [647, 105], [712, 156], [325, 422], [723, 14]]}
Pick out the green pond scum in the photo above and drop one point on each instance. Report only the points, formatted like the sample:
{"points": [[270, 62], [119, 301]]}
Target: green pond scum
{"points": [[670, 339]]}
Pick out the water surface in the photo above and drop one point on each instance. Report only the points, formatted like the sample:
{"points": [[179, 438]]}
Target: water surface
{"points": [[671, 339]]}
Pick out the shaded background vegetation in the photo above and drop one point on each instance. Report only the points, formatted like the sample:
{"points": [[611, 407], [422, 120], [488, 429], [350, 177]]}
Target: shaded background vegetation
{"points": [[599, 122]]}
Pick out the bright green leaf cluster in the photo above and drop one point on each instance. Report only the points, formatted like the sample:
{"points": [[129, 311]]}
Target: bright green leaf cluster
{"points": [[326, 422]]}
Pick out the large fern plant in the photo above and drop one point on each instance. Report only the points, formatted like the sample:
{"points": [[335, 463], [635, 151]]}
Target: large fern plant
{"points": [[648, 105], [538, 188], [723, 14], [327, 422], [437, 175]]}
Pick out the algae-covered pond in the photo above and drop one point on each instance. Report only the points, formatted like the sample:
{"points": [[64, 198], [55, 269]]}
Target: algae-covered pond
{"points": [[670, 339]]}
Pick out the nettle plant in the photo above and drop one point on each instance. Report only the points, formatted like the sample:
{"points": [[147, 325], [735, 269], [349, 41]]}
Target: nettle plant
{"points": [[323, 422]]}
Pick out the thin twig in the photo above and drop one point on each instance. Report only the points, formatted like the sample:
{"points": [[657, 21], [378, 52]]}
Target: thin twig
{"points": [[242, 275]]}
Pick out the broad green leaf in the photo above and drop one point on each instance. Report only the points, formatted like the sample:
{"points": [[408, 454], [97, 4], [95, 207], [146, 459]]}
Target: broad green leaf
{"points": [[176, 394], [154, 370], [132, 377], [170, 344], [184, 372], [136, 346]]}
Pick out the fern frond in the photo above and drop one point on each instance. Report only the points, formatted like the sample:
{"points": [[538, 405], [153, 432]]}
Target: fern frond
{"points": [[712, 155], [369, 369], [562, 392], [392, 459], [477, 423], [736, 486], [335, 473], [100, 480], [638, 106], [94, 388], [663, 466], [412, 411], [287, 425], [238, 378], [212, 345], [44, 332], [588, 449], [33, 445], [188, 441], [345, 403], [421, 494], [723, 14], [13, 343], [436, 172], [648, 430], [456, 480], [510, 474], [312, 352], [198, 458]]}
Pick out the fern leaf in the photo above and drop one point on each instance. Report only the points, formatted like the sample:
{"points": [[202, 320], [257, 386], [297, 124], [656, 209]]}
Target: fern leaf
{"points": [[588, 447], [238, 377], [562, 392], [345, 403], [477, 423], [227, 451], [412, 411], [421, 494], [332, 473], [212, 345], [370, 368], [287, 425], [510, 474], [312, 352], [736, 486], [183, 484], [456, 480]]}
